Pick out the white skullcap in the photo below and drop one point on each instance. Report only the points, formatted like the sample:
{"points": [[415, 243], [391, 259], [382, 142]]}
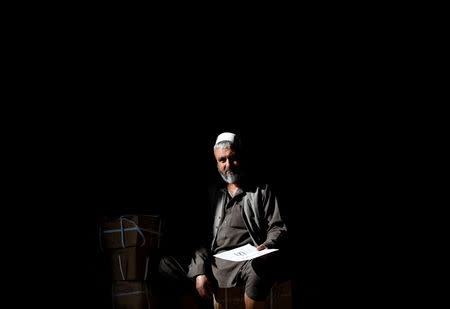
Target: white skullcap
{"points": [[226, 136]]}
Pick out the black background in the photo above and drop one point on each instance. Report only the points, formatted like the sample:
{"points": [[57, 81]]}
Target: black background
{"points": [[125, 137], [324, 105]]}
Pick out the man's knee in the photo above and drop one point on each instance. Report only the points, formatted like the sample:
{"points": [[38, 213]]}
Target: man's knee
{"points": [[167, 265], [258, 291], [260, 280], [170, 268]]}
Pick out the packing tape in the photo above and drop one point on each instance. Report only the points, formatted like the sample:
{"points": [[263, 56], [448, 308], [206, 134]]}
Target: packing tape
{"points": [[135, 228]]}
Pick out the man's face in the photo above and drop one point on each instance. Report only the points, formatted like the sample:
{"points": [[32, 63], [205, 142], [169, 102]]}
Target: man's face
{"points": [[227, 164]]}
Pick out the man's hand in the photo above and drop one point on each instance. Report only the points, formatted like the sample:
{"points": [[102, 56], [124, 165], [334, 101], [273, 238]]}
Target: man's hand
{"points": [[204, 287], [261, 247]]}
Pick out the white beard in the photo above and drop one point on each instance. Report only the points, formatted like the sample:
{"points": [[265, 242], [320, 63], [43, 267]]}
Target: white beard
{"points": [[231, 178]]}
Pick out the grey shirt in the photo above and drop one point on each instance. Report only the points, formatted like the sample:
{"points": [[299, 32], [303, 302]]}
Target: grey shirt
{"points": [[232, 233]]}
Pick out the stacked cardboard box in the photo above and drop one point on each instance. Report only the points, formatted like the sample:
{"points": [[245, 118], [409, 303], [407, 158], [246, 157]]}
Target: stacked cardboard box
{"points": [[280, 297], [132, 295], [131, 243]]}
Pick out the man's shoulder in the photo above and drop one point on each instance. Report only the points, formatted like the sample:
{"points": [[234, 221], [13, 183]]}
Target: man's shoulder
{"points": [[256, 186], [214, 190], [214, 186]]}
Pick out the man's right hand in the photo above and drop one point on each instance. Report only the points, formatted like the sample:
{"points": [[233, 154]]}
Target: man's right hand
{"points": [[204, 286]]}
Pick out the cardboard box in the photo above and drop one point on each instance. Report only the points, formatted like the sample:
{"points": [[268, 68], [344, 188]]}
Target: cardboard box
{"points": [[280, 297], [131, 231], [134, 263], [139, 295], [132, 295]]}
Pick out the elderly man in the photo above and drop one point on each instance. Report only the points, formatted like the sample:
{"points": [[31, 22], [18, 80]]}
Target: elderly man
{"points": [[243, 213]]}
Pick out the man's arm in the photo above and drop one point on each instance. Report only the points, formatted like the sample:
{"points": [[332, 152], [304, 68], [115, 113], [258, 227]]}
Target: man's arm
{"points": [[204, 286], [200, 263], [199, 267], [276, 227]]}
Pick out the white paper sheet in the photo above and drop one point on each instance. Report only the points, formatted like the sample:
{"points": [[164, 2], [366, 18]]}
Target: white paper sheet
{"points": [[243, 253]]}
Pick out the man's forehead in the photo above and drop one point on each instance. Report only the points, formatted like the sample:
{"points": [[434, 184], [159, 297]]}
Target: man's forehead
{"points": [[223, 152]]}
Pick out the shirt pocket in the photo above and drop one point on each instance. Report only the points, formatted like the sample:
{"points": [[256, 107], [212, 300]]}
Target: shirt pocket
{"points": [[235, 220]]}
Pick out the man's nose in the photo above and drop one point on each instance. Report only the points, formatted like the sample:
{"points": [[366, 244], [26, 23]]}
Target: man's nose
{"points": [[227, 163]]}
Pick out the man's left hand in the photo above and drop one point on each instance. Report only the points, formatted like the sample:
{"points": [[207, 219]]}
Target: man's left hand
{"points": [[261, 247]]}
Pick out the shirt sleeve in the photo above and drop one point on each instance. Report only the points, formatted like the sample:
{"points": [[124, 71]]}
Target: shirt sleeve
{"points": [[199, 264], [276, 227]]}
